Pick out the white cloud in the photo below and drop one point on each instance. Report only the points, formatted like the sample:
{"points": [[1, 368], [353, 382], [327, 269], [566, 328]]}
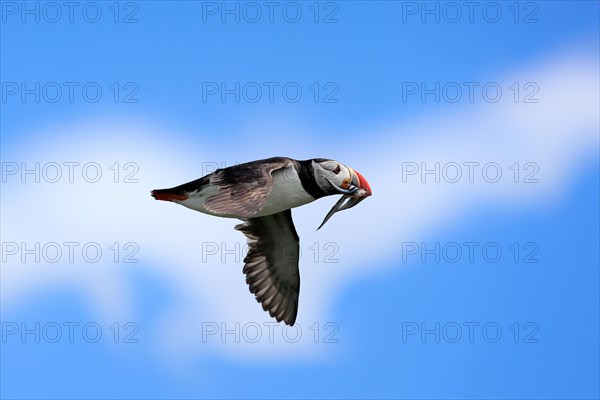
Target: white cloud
{"points": [[558, 134]]}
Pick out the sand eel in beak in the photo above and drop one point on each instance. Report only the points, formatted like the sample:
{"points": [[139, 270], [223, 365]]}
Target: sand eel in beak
{"points": [[262, 193]]}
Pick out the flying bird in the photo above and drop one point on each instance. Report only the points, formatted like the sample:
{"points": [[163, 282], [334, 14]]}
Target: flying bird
{"points": [[262, 193]]}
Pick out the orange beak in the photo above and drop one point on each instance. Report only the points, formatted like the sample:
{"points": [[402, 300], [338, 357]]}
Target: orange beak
{"points": [[363, 184], [350, 197]]}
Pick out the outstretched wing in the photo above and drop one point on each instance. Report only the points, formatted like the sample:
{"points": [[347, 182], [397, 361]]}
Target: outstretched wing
{"points": [[272, 264], [244, 188]]}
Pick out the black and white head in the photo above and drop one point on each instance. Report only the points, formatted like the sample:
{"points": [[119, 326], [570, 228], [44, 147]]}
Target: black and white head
{"points": [[335, 178]]}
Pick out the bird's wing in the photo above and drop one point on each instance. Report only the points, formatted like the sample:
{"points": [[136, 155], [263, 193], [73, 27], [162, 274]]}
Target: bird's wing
{"points": [[244, 188], [272, 264]]}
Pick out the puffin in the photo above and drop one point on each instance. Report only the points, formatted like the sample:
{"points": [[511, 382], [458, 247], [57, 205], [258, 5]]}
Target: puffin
{"points": [[261, 194]]}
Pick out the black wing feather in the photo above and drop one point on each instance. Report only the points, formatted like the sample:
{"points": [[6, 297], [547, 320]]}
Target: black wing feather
{"points": [[244, 188], [272, 264]]}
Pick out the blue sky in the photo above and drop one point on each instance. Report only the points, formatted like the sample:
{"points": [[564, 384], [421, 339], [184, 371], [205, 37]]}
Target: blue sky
{"points": [[362, 293]]}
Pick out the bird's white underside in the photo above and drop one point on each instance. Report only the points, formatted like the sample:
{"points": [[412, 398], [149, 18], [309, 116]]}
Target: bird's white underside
{"points": [[287, 193]]}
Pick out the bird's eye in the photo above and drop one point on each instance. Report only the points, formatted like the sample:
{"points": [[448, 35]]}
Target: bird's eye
{"points": [[337, 169]]}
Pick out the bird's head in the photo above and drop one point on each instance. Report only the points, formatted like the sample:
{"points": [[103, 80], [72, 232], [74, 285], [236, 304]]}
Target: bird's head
{"points": [[336, 178]]}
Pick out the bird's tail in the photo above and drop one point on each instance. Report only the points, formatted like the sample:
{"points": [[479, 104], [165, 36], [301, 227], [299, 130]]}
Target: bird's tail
{"points": [[168, 195]]}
